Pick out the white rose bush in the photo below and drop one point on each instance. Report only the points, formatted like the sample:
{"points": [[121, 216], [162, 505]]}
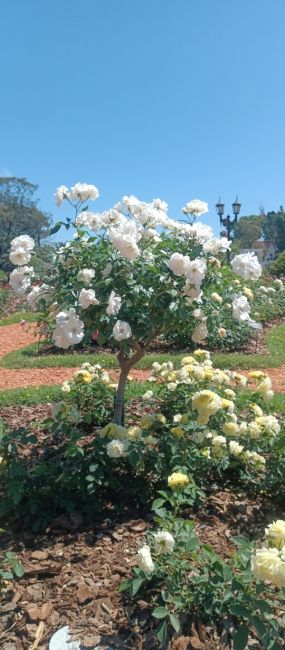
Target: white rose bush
{"points": [[134, 275]]}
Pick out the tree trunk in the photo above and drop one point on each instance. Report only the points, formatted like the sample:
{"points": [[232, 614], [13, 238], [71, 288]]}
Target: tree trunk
{"points": [[120, 396]]}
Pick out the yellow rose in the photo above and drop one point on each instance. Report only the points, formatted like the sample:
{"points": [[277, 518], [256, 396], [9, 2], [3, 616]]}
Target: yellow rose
{"points": [[275, 533], [187, 360], [177, 431], [256, 374], [230, 428], [177, 480]]}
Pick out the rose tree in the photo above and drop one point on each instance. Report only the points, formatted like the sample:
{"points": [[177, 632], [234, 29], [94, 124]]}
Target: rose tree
{"points": [[132, 273]]}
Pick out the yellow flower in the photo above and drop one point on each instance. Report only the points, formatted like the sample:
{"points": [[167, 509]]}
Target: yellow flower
{"points": [[184, 419], [275, 533], [230, 428], [248, 293], [227, 403], [177, 480], [187, 360], [222, 332], [159, 417], [177, 431], [84, 375], [266, 564], [256, 374], [134, 433], [203, 354], [147, 421], [208, 373]]}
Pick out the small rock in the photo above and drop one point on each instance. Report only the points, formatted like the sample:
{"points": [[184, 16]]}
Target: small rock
{"points": [[83, 594], [39, 555]]}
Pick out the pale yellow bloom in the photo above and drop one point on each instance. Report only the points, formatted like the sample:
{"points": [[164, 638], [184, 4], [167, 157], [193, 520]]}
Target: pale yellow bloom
{"points": [[177, 480], [275, 533]]}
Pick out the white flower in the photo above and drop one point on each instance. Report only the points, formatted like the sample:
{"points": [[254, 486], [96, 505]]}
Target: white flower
{"points": [[216, 298], [66, 387], [148, 395], [124, 238], [61, 194], [164, 542], [37, 293], [83, 192], [20, 279], [171, 386], [247, 266], [107, 270], [222, 332], [196, 271], [200, 333], [219, 441], [235, 448], [85, 275], [241, 309], [87, 297], [121, 330], [266, 564], [114, 304], [91, 220], [116, 448], [20, 256], [179, 263], [216, 245], [69, 329], [24, 242], [275, 533], [196, 207], [144, 559]]}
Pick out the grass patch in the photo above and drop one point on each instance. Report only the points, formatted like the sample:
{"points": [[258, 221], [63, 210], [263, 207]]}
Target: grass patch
{"points": [[30, 317], [27, 357], [42, 394]]}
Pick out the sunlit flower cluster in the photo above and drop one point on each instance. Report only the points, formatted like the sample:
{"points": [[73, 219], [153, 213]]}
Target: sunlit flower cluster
{"points": [[268, 563]]}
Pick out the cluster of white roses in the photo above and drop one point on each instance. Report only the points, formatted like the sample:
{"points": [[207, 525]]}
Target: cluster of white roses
{"points": [[163, 542], [20, 255], [268, 562], [130, 226]]}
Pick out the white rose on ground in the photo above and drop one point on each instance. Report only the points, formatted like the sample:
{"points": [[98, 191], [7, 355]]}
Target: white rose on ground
{"points": [[247, 266], [121, 330], [164, 542], [87, 297], [144, 559]]}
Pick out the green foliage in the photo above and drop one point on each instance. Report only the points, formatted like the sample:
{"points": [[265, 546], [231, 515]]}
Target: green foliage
{"points": [[274, 228], [10, 567], [278, 266], [190, 582], [19, 213], [248, 229]]}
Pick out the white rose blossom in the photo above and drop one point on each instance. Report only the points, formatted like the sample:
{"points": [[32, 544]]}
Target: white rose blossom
{"points": [[83, 192], [164, 542], [121, 330], [144, 559], [114, 304], [24, 242], [247, 266], [241, 309], [196, 207], [87, 297], [116, 448], [85, 275]]}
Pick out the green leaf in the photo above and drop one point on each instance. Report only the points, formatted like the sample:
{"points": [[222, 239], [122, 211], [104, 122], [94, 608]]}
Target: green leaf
{"points": [[162, 633], [135, 585], [259, 625], [125, 584], [19, 570], [240, 610], [240, 541], [55, 228], [7, 575], [157, 503], [241, 637], [160, 612], [264, 606], [174, 620]]}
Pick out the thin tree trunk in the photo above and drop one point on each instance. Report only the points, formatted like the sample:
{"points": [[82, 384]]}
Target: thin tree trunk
{"points": [[120, 396]]}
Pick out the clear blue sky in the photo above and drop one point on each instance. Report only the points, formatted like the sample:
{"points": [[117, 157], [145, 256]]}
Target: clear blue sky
{"points": [[178, 99]]}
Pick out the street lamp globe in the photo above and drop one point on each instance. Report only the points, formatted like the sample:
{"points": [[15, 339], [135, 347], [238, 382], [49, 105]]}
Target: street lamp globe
{"points": [[236, 207], [220, 207]]}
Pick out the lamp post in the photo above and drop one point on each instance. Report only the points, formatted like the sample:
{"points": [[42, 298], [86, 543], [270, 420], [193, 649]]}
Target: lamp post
{"points": [[228, 223]]}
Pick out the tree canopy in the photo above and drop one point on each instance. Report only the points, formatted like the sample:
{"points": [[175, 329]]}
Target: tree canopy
{"points": [[274, 228], [19, 212], [247, 230]]}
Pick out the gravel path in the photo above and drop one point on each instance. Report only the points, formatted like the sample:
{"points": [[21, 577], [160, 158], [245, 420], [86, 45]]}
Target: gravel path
{"points": [[13, 337]]}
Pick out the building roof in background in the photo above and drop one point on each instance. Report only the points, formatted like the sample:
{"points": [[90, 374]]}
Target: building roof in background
{"points": [[263, 243]]}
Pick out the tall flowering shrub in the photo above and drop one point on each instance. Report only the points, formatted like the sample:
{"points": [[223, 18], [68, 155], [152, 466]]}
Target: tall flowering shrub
{"points": [[132, 273]]}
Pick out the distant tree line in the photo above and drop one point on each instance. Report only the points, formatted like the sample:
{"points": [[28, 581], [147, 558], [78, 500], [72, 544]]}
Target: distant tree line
{"points": [[263, 226]]}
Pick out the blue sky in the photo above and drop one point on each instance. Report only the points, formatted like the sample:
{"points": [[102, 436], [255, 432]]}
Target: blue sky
{"points": [[176, 99]]}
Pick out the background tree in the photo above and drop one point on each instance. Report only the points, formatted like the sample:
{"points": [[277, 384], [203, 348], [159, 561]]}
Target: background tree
{"points": [[278, 266], [248, 229], [274, 228], [19, 212]]}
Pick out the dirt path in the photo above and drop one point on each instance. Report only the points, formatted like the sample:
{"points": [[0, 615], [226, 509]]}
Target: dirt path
{"points": [[14, 337]]}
